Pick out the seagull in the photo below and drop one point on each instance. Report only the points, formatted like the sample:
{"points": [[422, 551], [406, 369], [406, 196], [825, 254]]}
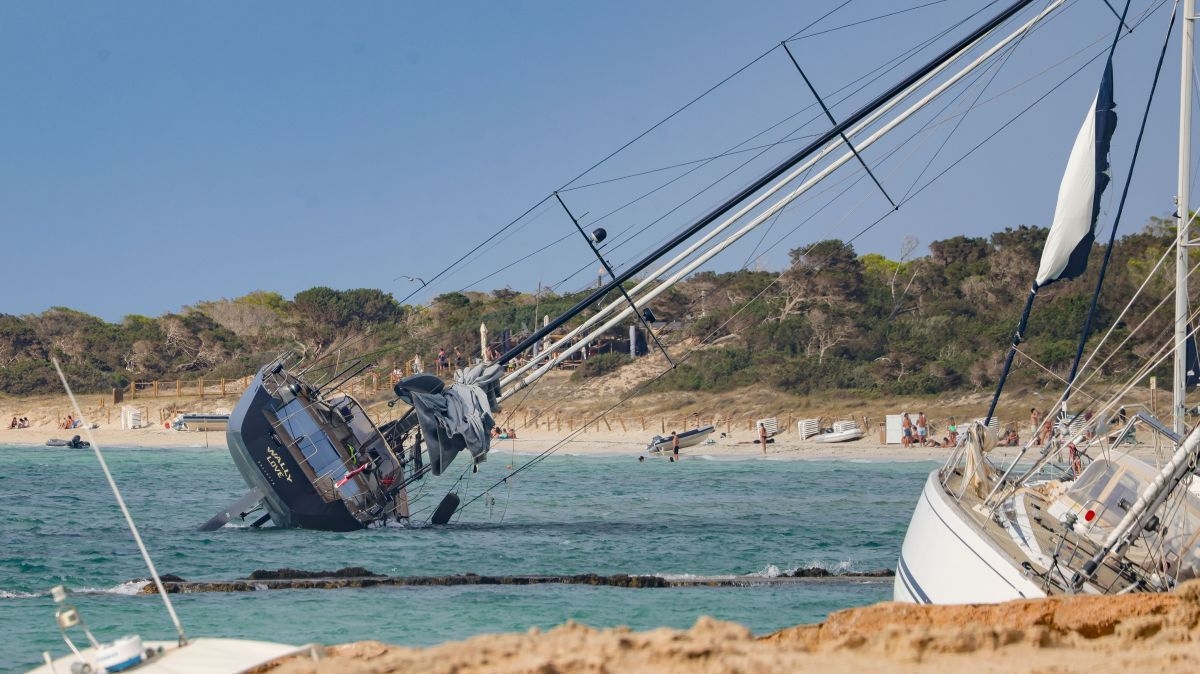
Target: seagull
{"points": [[414, 279]]}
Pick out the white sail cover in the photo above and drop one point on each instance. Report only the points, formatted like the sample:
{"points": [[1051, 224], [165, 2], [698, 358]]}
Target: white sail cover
{"points": [[1073, 230]]}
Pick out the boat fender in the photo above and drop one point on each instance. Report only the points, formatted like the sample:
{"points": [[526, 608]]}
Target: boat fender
{"points": [[421, 383], [445, 509]]}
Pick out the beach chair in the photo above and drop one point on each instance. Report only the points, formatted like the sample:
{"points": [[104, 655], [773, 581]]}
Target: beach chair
{"points": [[772, 426]]}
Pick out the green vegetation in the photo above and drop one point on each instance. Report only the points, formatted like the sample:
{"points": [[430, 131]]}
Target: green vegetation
{"points": [[833, 320]]}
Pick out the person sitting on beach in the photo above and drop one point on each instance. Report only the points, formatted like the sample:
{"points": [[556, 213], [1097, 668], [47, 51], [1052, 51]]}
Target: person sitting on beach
{"points": [[1011, 439], [13, 424], [511, 433], [952, 429], [495, 431], [23, 422]]}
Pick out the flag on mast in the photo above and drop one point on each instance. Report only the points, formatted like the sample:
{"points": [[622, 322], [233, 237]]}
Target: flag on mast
{"points": [[1087, 175]]}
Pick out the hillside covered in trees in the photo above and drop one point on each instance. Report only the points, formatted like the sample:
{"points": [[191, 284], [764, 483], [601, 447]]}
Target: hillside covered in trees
{"points": [[832, 320]]}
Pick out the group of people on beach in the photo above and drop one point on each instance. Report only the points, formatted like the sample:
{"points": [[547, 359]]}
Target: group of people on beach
{"points": [[68, 422], [504, 433], [441, 364], [917, 434], [23, 422]]}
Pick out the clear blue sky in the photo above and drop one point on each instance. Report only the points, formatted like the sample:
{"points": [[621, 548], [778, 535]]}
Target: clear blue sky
{"points": [[160, 154]]}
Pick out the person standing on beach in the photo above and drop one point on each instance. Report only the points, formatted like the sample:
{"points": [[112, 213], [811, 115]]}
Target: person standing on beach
{"points": [[906, 426], [762, 437], [675, 444], [1035, 420], [922, 428]]}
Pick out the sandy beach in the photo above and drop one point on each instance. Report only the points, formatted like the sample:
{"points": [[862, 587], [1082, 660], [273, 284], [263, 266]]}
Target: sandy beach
{"points": [[785, 446], [1149, 633]]}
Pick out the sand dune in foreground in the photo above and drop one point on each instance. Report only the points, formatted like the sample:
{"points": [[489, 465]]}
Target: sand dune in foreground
{"points": [[1134, 633]]}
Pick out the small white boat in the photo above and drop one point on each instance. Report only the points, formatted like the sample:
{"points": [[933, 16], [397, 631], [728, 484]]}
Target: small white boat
{"points": [[843, 431], [686, 439], [201, 422]]}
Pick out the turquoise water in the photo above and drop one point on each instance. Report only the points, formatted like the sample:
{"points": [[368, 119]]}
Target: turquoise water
{"points": [[566, 515]]}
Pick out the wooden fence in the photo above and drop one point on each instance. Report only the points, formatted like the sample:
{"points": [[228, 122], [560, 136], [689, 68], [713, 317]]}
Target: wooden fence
{"points": [[179, 388]]}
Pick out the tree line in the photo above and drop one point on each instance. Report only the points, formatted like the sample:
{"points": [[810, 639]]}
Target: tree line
{"points": [[833, 319]]}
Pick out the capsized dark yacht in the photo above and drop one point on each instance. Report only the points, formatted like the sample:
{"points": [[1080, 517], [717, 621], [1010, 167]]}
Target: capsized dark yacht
{"points": [[312, 456]]}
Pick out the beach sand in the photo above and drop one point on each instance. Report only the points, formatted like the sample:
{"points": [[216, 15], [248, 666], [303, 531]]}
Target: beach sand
{"points": [[1151, 633], [785, 446]]}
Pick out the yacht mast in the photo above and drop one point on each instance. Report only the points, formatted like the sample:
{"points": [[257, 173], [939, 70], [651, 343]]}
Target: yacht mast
{"points": [[1183, 216]]}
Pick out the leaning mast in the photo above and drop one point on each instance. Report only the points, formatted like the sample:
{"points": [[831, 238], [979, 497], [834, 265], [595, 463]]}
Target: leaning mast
{"points": [[1183, 218]]}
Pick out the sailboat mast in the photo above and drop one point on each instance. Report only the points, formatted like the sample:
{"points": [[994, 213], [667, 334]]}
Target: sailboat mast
{"points": [[765, 180], [1183, 216]]}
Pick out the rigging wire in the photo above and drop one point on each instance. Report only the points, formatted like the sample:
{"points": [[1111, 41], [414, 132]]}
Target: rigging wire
{"points": [[918, 191], [893, 63], [864, 80]]}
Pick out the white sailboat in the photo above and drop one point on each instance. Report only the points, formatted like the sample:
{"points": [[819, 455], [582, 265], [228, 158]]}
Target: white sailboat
{"points": [[1099, 521]]}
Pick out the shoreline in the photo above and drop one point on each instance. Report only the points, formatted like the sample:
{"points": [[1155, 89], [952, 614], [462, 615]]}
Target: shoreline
{"points": [[614, 444]]}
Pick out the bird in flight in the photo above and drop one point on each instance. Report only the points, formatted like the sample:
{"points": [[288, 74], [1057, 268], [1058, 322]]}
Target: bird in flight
{"points": [[414, 279]]}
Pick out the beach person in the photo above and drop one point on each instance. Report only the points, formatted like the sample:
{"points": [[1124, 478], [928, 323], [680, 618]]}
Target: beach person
{"points": [[417, 366], [762, 437], [443, 361], [696, 419], [13, 424], [1047, 429], [641, 459], [952, 432], [1035, 420], [922, 428], [906, 427], [674, 443], [458, 358]]}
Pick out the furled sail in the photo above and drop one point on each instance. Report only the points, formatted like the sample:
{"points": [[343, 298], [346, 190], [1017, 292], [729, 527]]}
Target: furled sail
{"points": [[1073, 229], [455, 418]]}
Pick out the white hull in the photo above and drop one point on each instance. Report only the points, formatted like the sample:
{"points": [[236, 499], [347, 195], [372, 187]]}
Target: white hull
{"points": [[841, 436], [945, 559]]}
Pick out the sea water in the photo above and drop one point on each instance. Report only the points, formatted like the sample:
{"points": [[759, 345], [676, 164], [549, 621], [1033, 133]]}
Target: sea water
{"points": [[564, 515]]}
